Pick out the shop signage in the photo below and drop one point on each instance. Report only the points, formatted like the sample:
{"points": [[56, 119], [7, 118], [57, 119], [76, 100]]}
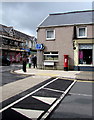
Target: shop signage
{"points": [[28, 50], [89, 46]]}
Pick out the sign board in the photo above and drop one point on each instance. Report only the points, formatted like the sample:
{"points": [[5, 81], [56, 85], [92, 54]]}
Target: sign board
{"points": [[39, 46], [49, 63], [23, 49]]}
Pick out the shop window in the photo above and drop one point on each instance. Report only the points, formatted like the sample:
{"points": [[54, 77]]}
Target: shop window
{"points": [[81, 32], [51, 56], [85, 56], [50, 34]]}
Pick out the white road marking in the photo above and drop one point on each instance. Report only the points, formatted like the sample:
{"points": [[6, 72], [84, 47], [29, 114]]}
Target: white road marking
{"points": [[69, 93], [54, 90], [47, 100], [57, 102], [29, 113], [80, 94], [27, 95]]}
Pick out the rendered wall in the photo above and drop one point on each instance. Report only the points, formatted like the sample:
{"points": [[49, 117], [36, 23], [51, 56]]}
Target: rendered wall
{"points": [[63, 43]]}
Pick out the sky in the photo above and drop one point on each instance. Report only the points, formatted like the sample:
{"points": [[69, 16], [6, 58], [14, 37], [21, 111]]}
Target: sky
{"points": [[26, 16]]}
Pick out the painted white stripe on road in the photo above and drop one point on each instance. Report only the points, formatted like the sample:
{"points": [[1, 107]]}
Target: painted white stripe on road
{"points": [[54, 90], [69, 93], [29, 113], [27, 95], [80, 94], [47, 100], [57, 102]]}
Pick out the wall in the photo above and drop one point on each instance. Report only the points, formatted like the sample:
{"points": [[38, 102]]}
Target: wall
{"points": [[63, 43]]}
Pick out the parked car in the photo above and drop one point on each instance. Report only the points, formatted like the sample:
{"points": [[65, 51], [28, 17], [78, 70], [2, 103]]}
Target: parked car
{"points": [[4, 60]]}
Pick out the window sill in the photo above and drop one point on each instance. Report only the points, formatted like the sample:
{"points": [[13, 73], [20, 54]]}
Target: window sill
{"points": [[82, 37], [85, 65], [51, 60], [50, 39]]}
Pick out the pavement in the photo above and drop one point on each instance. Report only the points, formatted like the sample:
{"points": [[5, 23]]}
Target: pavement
{"points": [[79, 75], [38, 76]]}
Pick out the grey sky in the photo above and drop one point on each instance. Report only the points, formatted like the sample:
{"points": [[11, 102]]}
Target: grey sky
{"points": [[26, 16]]}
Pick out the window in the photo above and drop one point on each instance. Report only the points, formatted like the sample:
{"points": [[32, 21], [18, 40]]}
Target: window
{"points": [[85, 54], [5, 41], [50, 34], [16, 43], [11, 42], [81, 32], [51, 56], [11, 33]]}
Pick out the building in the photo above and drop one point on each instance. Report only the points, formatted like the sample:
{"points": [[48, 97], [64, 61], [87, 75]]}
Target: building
{"points": [[69, 34], [15, 43]]}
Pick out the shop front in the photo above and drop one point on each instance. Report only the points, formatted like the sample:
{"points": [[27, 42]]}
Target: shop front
{"points": [[84, 57]]}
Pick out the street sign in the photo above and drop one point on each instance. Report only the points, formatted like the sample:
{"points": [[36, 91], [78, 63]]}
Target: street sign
{"points": [[39, 46]]}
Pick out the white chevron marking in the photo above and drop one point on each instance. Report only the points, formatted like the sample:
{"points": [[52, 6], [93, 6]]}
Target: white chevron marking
{"points": [[29, 113], [47, 100]]}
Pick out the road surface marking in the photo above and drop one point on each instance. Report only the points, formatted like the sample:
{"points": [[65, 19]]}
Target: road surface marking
{"points": [[47, 100], [47, 74], [27, 95], [69, 93], [91, 81], [78, 80], [28, 113], [80, 94], [54, 90], [57, 102]]}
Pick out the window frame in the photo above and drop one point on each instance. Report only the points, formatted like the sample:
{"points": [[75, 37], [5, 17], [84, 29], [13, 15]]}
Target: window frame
{"points": [[53, 34], [79, 32], [51, 54]]}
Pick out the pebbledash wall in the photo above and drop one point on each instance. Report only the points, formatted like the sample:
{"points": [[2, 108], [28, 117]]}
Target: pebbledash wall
{"points": [[66, 34]]}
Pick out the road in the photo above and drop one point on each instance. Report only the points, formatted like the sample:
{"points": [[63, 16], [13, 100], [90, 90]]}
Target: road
{"points": [[6, 72], [56, 98]]}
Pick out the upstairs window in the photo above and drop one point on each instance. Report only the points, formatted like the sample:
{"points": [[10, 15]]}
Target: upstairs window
{"points": [[5, 41], [50, 34], [81, 32]]}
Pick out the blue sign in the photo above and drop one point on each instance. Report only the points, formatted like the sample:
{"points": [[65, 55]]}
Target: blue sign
{"points": [[39, 46], [28, 50]]}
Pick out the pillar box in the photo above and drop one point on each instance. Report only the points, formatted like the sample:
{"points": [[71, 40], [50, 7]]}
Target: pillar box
{"points": [[66, 62]]}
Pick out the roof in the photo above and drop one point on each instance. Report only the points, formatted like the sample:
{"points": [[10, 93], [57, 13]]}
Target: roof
{"points": [[69, 18], [5, 30]]}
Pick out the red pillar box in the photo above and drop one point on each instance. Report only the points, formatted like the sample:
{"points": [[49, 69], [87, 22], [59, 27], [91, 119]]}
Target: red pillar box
{"points": [[66, 62]]}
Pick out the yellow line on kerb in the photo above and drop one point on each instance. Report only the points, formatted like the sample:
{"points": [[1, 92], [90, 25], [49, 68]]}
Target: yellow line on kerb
{"points": [[85, 81], [57, 75], [77, 80], [48, 74]]}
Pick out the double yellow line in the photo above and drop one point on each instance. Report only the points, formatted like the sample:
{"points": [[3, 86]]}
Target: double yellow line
{"points": [[57, 75], [78, 80]]}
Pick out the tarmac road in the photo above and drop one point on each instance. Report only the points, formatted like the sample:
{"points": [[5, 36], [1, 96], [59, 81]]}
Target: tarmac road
{"points": [[7, 75], [56, 98], [78, 104], [53, 98]]}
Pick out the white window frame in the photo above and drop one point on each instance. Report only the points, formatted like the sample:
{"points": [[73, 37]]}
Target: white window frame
{"points": [[78, 32], [50, 54], [53, 33]]}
